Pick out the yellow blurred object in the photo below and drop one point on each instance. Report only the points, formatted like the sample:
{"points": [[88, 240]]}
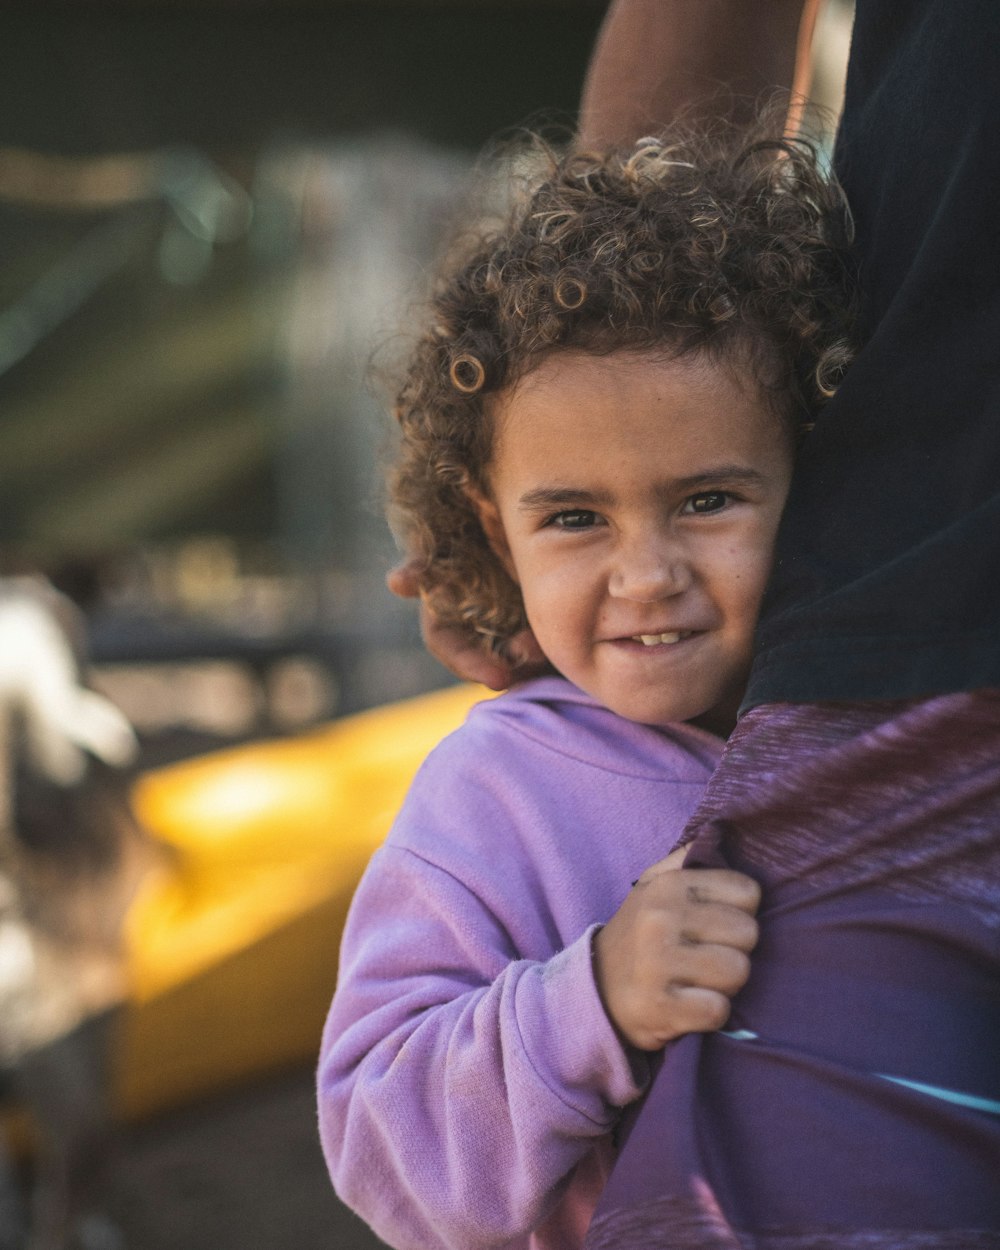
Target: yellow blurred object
{"points": [[233, 942]]}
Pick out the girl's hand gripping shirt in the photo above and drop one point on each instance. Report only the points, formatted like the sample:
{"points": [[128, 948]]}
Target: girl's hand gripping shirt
{"points": [[470, 1079]]}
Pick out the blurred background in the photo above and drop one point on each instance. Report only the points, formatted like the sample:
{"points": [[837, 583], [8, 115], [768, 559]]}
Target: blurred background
{"points": [[214, 216], [210, 215]]}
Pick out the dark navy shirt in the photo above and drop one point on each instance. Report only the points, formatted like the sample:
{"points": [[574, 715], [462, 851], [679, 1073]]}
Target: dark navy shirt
{"points": [[887, 576]]}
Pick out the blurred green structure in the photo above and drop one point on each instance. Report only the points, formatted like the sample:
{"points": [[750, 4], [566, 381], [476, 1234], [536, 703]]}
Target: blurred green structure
{"points": [[155, 221]]}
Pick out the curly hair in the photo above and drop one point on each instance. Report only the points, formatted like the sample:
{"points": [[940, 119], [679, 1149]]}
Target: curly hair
{"points": [[684, 243]]}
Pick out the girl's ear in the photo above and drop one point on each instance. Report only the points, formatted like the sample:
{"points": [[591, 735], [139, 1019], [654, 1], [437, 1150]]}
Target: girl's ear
{"points": [[489, 519]]}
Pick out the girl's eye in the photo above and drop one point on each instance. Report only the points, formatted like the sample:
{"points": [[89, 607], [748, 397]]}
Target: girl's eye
{"points": [[576, 519], [707, 501]]}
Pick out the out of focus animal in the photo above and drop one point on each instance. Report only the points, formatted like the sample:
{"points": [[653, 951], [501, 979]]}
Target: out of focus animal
{"points": [[70, 858]]}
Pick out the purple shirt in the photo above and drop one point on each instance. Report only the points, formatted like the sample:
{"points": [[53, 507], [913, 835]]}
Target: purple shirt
{"points": [[469, 1077], [853, 1100]]}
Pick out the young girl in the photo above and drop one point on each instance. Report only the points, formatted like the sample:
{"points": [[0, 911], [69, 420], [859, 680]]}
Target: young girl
{"points": [[598, 431]]}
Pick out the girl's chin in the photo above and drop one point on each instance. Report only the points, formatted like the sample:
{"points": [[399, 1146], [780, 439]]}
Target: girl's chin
{"points": [[718, 717]]}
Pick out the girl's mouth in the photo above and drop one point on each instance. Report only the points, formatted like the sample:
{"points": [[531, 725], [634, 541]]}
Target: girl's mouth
{"points": [[655, 640]]}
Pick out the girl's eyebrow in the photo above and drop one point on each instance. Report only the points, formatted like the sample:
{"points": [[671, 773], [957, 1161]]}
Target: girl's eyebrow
{"points": [[720, 473], [563, 496], [570, 496]]}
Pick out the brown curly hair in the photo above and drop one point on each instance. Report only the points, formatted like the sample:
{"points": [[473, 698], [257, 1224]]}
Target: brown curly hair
{"points": [[685, 243]]}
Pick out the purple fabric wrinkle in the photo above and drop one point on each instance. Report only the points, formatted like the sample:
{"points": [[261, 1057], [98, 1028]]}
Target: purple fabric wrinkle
{"points": [[874, 830]]}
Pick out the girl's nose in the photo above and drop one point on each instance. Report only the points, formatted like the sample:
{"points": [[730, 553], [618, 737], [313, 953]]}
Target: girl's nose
{"points": [[649, 572]]}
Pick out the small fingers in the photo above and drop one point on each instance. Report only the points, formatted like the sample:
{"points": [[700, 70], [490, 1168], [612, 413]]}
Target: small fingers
{"points": [[672, 886], [683, 1009], [723, 969], [718, 924], [696, 1009], [675, 859], [722, 885], [676, 951], [703, 885]]}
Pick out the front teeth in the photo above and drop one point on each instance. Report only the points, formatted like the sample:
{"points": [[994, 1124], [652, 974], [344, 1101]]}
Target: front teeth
{"points": [[652, 640]]}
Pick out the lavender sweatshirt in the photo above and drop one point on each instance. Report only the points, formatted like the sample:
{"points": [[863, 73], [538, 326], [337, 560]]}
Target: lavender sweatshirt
{"points": [[469, 1078]]}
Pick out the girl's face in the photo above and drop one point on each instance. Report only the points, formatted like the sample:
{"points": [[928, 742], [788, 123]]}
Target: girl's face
{"points": [[635, 501]]}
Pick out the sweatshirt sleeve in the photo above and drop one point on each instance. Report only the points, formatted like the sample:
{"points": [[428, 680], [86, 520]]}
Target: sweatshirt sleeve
{"points": [[459, 1084]]}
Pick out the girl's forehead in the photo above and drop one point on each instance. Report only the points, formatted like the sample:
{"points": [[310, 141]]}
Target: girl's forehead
{"points": [[577, 385], [571, 369], [648, 411]]}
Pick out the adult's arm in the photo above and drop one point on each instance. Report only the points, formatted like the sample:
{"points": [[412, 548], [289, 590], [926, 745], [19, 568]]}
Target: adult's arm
{"points": [[659, 59], [471, 661]]}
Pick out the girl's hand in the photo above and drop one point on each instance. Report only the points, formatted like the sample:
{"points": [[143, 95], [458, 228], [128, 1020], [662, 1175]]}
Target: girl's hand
{"points": [[676, 951], [453, 649]]}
